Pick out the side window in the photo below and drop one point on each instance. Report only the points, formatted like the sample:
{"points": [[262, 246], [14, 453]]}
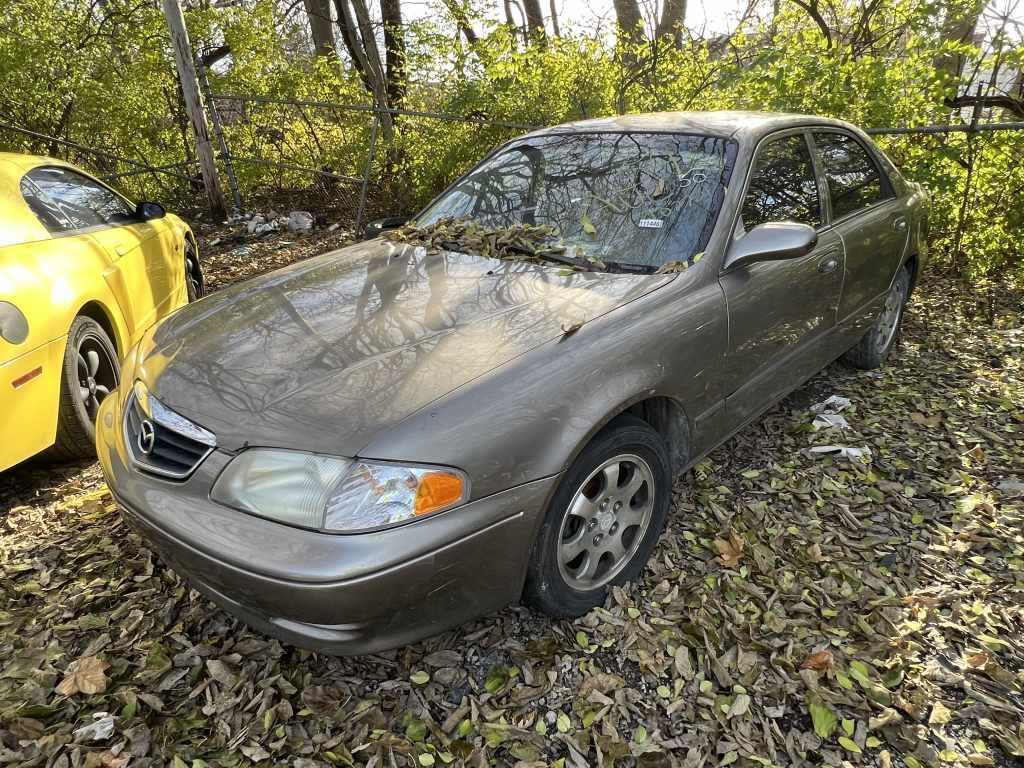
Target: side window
{"points": [[79, 199], [783, 186], [853, 178], [44, 209]]}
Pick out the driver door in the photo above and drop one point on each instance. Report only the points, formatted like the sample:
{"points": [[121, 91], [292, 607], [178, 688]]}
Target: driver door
{"points": [[780, 312], [140, 275]]}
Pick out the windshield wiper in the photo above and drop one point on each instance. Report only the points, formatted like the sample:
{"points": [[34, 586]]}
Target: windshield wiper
{"points": [[558, 255], [629, 269], [616, 267]]}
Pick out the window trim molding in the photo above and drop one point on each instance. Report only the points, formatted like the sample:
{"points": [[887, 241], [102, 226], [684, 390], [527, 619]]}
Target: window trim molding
{"points": [[800, 130], [888, 191], [73, 231]]}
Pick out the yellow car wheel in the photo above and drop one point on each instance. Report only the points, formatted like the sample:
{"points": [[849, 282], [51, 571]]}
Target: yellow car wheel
{"points": [[89, 374], [193, 275]]}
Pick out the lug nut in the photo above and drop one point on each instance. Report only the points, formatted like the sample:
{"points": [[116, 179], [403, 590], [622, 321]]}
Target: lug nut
{"points": [[614, 528], [618, 505], [592, 524], [597, 539]]}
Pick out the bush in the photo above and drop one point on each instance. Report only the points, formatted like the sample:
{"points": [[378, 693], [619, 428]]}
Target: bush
{"points": [[109, 82]]}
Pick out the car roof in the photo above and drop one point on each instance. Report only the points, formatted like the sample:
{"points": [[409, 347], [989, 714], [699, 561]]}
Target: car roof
{"points": [[738, 124], [25, 162]]}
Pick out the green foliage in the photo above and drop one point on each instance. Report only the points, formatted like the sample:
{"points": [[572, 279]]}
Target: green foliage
{"points": [[103, 75]]}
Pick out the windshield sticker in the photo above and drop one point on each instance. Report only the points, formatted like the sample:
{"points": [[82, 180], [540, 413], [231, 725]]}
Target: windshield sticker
{"points": [[650, 223]]}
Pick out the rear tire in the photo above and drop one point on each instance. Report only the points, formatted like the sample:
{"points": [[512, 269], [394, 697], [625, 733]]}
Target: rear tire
{"points": [[89, 374], [603, 521], [193, 275], [876, 344]]}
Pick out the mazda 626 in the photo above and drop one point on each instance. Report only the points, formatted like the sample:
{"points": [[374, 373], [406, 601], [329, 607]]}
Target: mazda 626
{"points": [[379, 443]]}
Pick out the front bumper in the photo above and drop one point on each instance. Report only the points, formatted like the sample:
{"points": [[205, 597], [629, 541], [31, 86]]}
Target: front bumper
{"points": [[342, 594]]}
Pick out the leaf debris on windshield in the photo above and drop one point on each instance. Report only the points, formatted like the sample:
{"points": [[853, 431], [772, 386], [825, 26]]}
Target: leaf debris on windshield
{"points": [[522, 242]]}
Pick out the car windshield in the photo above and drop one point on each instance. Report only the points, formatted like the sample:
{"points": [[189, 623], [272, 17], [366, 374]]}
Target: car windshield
{"points": [[639, 199]]}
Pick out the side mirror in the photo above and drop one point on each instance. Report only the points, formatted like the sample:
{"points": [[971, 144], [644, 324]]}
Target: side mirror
{"points": [[773, 241], [148, 211], [380, 226]]}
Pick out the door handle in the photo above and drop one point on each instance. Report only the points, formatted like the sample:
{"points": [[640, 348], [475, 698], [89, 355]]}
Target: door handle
{"points": [[828, 264], [900, 224]]}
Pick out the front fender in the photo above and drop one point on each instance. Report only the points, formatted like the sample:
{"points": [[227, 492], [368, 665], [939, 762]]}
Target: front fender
{"points": [[530, 418]]}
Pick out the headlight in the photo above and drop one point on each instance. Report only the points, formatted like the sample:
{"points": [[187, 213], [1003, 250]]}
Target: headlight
{"points": [[335, 494], [13, 323]]}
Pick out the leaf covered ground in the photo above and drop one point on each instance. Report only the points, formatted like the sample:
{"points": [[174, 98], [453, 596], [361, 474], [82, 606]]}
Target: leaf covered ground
{"points": [[801, 608]]}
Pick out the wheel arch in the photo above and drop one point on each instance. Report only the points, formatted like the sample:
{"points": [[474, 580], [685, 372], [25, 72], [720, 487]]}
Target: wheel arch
{"points": [[664, 414], [913, 263], [96, 310]]}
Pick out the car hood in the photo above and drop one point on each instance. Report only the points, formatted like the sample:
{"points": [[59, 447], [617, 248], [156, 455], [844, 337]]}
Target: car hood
{"points": [[325, 354]]}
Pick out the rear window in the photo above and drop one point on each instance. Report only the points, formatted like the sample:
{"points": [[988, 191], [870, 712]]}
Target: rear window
{"points": [[854, 181]]}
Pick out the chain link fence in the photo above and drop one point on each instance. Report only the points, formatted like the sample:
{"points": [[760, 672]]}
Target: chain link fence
{"points": [[355, 162]]}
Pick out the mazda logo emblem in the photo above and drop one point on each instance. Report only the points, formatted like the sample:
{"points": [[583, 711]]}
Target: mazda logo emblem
{"points": [[147, 437]]}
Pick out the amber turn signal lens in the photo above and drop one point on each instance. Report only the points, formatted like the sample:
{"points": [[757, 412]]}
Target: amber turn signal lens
{"points": [[437, 490]]}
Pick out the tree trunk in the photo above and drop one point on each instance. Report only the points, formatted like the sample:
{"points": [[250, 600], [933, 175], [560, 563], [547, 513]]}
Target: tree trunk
{"points": [[959, 25], [512, 24], [361, 43], [631, 24], [394, 49], [554, 18], [461, 17], [534, 18], [320, 27], [673, 16], [350, 37], [183, 58]]}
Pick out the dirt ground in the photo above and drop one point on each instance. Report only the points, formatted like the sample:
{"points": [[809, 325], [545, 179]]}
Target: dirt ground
{"points": [[801, 609]]}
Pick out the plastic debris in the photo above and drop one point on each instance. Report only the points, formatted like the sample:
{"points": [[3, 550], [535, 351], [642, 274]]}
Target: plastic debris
{"points": [[834, 404], [102, 728], [848, 452], [261, 225], [830, 421], [300, 221]]}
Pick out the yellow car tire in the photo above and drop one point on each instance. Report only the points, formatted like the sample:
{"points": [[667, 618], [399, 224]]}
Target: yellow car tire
{"points": [[193, 274], [90, 373]]}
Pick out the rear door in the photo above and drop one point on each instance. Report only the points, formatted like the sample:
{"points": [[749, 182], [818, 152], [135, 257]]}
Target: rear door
{"points": [[866, 214], [140, 274], [780, 312]]}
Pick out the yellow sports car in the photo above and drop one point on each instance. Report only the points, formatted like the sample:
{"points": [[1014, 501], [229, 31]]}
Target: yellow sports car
{"points": [[83, 273]]}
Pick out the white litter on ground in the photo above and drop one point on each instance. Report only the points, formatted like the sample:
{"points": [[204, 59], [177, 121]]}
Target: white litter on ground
{"points": [[848, 452], [830, 421], [834, 404]]}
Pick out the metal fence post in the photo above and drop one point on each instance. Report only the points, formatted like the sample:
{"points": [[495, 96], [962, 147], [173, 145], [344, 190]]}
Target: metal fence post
{"points": [[366, 174], [218, 129]]}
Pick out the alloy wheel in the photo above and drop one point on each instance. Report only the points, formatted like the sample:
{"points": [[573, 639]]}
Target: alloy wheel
{"points": [[606, 522], [97, 374], [889, 320]]}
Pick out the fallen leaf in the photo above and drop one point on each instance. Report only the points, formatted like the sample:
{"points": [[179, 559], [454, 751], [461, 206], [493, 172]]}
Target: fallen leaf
{"points": [[730, 550], [86, 675], [822, 662]]}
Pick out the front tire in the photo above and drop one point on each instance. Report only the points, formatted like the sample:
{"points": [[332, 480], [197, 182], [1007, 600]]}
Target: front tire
{"points": [[876, 344], [89, 374], [603, 521]]}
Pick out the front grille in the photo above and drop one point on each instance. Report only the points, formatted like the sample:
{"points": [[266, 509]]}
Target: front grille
{"points": [[162, 441]]}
